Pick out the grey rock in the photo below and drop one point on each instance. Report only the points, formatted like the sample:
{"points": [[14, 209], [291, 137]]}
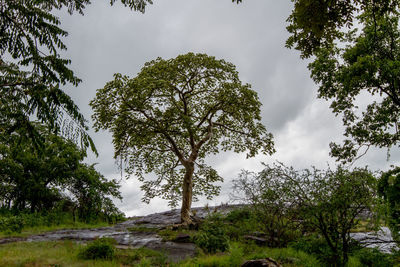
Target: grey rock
{"points": [[267, 262], [258, 240]]}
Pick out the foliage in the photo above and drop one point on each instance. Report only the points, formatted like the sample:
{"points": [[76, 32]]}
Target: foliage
{"points": [[212, 236], [91, 190], [31, 37], [30, 85], [236, 255], [11, 224], [241, 222], [317, 246], [102, 248], [53, 178], [370, 65], [29, 177], [351, 63], [172, 115], [65, 253], [318, 24], [325, 201], [389, 189], [274, 203], [373, 257]]}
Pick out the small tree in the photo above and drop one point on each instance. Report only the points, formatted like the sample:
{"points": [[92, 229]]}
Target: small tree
{"points": [[172, 115], [328, 201]]}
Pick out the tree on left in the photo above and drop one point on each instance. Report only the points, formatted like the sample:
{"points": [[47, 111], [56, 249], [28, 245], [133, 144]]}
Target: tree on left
{"points": [[53, 179], [32, 69]]}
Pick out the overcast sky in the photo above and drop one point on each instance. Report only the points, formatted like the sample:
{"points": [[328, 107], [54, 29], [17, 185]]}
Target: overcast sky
{"points": [[252, 36]]}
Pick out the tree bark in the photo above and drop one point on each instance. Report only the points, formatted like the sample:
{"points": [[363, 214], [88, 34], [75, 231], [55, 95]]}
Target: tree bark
{"points": [[187, 187]]}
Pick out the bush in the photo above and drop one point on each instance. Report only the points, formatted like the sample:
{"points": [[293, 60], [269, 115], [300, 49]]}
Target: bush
{"points": [[11, 224], [314, 245], [236, 256], [373, 258], [102, 248], [212, 236], [242, 222]]}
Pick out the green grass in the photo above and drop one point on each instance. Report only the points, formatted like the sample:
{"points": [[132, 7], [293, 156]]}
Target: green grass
{"points": [[66, 253], [237, 256], [34, 230]]}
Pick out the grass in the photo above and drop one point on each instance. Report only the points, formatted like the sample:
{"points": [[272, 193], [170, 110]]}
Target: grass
{"points": [[66, 253], [237, 256], [34, 230]]}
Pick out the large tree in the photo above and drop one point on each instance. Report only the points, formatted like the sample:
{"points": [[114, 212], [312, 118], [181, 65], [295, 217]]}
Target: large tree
{"points": [[173, 114]]}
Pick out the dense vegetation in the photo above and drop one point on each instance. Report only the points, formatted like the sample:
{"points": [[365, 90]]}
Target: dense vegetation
{"points": [[51, 186]]}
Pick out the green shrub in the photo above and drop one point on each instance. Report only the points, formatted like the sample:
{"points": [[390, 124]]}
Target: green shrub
{"points": [[316, 246], [240, 214], [102, 248], [373, 258], [242, 222], [236, 256], [11, 224], [212, 235]]}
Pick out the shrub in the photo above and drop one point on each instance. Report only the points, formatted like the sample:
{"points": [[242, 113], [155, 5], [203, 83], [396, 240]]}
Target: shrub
{"points": [[242, 222], [236, 256], [317, 246], [314, 245], [102, 248], [11, 224], [373, 258], [212, 235]]}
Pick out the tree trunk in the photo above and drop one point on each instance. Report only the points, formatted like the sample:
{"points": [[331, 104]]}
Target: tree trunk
{"points": [[187, 194]]}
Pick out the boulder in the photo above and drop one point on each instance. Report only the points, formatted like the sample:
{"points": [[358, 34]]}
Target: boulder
{"points": [[182, 238], [267, 262], [258, 240]]}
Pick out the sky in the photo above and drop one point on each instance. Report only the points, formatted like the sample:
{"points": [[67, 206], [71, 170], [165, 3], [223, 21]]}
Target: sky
{"points": [[114, 39]]}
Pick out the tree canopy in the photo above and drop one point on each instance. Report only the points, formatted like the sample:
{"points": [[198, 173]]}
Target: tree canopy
{"points": [[174, 113], [316, 24], [355, 49], [39, 180], [32, 70]]}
